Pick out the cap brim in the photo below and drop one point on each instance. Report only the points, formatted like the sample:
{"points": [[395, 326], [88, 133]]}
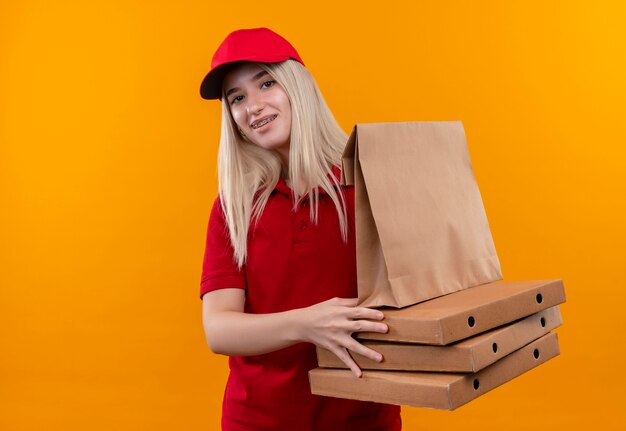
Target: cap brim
{"points": [[211, 87]]}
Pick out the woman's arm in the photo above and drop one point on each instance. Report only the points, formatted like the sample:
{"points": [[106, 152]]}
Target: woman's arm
{"points": [[330, 324]]}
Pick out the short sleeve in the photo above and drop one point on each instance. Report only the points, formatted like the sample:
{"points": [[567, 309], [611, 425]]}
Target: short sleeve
{"points": [[219, 270]]}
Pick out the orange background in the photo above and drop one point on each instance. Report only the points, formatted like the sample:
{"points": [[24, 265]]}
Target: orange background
{"points": [[107, 174]]}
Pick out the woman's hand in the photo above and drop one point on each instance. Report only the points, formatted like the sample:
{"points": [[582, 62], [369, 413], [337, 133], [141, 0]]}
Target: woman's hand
{"points": [[330, 324]]}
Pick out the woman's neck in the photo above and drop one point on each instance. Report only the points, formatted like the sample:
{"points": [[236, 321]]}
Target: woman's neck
{"points": [[300, 186]]}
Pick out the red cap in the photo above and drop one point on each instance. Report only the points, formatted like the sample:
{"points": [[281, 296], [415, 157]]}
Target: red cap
{"points": [[256, 44]]}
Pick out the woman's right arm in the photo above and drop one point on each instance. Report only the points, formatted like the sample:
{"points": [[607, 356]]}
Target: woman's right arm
{"points": [[329, 324]]}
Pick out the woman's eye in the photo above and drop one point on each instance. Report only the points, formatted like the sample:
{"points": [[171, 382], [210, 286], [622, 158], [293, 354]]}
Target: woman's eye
{"points": [[267, 84], [236, 99]]}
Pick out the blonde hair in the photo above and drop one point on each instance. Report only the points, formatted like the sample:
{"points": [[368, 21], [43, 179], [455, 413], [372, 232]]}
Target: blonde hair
{"points": [[247, 173]]}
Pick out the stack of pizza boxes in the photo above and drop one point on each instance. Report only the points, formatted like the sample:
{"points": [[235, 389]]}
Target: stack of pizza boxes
{"points": [[426, 258]]}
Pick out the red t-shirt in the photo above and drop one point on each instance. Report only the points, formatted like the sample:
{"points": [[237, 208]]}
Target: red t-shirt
{"points": [[291, 263]]}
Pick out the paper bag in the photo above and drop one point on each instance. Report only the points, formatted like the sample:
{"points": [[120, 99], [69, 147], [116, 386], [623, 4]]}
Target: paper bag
{"points": [[421, 228]]}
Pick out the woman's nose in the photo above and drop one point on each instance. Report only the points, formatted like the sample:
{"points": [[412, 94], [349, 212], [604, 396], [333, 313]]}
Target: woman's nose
{"points": [[255, 103]]}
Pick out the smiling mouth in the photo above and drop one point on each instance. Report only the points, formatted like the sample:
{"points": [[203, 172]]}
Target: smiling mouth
{"points": [[264, 122]]}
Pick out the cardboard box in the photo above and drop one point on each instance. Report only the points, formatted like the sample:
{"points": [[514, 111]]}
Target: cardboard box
{"points": [[421, 228], [434, 390], [468, 312], [470, 355]]}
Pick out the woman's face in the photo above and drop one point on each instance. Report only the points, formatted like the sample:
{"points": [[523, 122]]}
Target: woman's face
{"points": [[260, 107]]}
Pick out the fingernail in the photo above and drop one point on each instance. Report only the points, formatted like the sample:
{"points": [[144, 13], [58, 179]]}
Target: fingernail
{"points": [[379, 358]]}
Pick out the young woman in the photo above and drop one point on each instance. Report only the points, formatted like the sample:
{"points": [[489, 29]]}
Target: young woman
{"points": [[279, 271]]}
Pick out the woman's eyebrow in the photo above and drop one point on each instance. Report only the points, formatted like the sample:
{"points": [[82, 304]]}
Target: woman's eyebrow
{"points": [[232, 90], [259, 75], [256, 77]]}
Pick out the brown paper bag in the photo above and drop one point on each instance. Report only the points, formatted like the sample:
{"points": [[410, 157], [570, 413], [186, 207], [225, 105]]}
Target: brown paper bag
{"points": [[421, 228]]}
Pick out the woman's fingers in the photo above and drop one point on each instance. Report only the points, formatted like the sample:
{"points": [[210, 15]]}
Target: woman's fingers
{"points": [[335, 320], [362, 350], [365, 313], [347, 302], [361, 316], [367, 326], [343, 354], [354, 312]]}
